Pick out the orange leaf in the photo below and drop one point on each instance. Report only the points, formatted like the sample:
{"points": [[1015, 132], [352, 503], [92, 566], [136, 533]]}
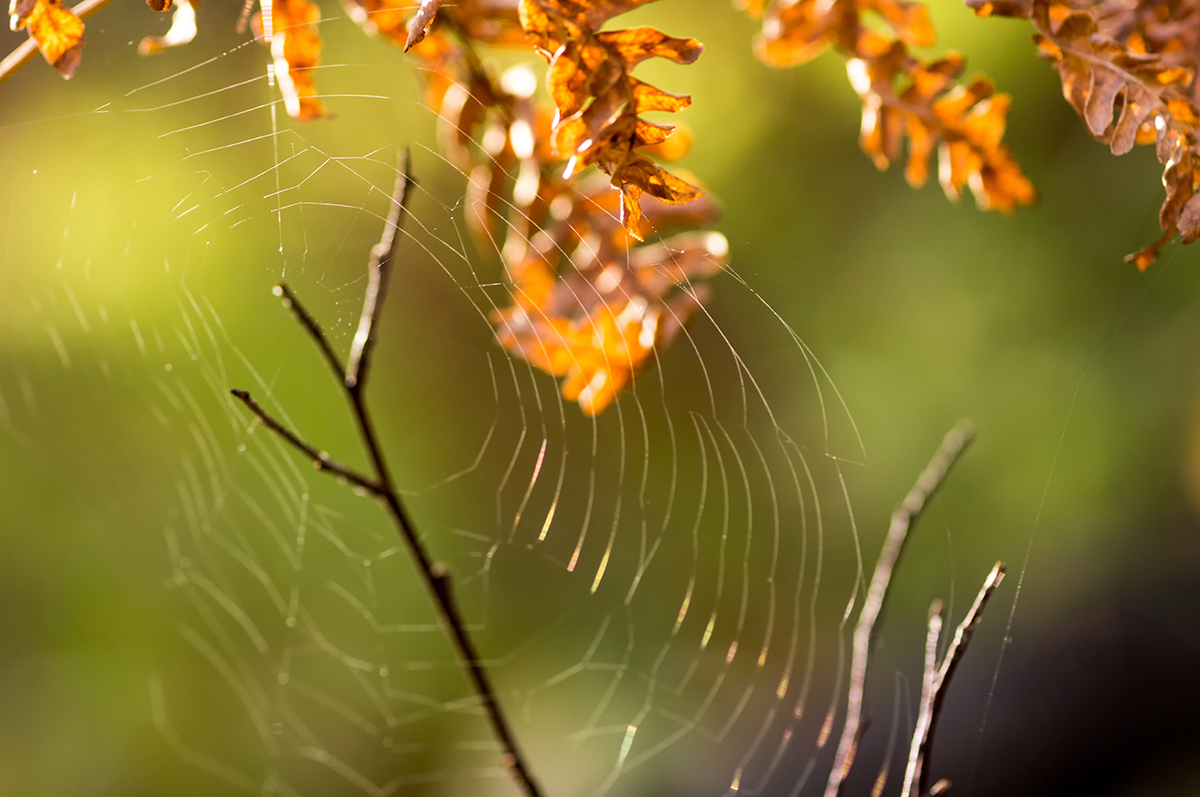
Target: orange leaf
{"points": [[296, 49], [57, 31]]}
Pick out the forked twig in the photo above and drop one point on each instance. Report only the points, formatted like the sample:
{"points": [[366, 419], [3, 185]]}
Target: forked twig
{"points": [[935, 678], [353, 378], [24, 52], [953, 444]]}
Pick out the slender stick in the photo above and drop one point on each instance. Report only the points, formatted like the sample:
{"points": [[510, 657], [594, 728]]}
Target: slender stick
{"points": [[27, 49], [378, 272], [931, 478], [306, 320], [319, 459], [436, 576], [934, 682]]}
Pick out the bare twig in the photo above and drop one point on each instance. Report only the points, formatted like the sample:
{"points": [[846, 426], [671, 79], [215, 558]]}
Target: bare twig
{"points": [[436, 576], [931, 478], [378, 272], [934, 682], [320, 459], [314, 329], [26, 50]]}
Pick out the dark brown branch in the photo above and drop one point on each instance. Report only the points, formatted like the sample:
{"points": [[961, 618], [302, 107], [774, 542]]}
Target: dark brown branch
{"points": [[934, 682], [306, 320], [436, 576], [378, 272], [864, 631], [320, 459], [24, 52]]}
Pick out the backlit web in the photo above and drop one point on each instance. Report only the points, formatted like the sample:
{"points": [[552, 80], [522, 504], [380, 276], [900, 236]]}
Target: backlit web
{"points": [[647, 585]]}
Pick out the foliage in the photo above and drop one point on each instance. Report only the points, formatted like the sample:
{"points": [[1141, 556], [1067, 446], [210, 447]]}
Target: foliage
{"points": [[591, 300], [966, 122], [1137, 62]]}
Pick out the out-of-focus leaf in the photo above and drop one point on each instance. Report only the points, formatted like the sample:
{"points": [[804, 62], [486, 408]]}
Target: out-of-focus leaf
{"points": [[589, 303], [903, 95], [57, 31], [182, 30], [295, 50]]}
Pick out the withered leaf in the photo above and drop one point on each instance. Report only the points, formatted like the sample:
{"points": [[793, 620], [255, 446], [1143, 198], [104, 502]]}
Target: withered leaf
{"points": [[57, 31], [1133, 68], [599, 102], [589, 303], [905, 96]]}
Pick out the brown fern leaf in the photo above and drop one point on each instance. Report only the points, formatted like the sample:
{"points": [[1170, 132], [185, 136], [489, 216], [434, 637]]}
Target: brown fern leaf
{"points": [[591, 304], [906, 96], [600, 103], [1135, 65]]}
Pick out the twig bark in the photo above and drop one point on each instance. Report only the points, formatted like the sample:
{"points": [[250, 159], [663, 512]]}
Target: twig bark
{"points": [[320, 459], [864, 630], [353, 378], [24, 52], [934, 680]]}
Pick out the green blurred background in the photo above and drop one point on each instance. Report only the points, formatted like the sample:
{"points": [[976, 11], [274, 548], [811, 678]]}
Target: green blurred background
{"points": [[185, 606]]}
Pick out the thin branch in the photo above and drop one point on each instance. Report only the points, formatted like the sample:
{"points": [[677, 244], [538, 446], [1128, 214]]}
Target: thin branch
{"points": [[378, 271], [320, 459], [864, 631], [24, 52], [436, 576], [306, 320], [935, 679]]}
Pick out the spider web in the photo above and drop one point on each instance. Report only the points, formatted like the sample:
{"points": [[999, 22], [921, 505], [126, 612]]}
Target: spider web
{"points": [[649, 587]]}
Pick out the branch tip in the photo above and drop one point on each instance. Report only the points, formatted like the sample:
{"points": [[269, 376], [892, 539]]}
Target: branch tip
{"points": [[953, 444], [383, 256], [933, 686]]}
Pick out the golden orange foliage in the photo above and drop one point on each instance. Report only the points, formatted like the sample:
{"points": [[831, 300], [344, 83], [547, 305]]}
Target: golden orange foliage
{"points": [[903, 95], [592, 302], [57, 31], [296, 50], [600, 103]]}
